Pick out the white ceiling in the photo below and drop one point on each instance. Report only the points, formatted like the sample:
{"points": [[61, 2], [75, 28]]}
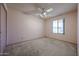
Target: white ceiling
{"points": [[59, 8]]}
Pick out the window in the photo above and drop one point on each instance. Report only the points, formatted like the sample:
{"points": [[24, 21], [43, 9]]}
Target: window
{"points": [[58, 26]]}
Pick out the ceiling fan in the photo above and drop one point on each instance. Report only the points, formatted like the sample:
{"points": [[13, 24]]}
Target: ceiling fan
{"points": [[41, 12], [44, 12]]}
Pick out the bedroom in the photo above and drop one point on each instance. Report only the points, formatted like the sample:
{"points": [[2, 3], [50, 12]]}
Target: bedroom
{"points": [[39, 29]]}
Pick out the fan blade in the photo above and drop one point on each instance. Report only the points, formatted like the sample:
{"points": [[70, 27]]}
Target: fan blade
{"points": [[49, 10], [40, 9]]}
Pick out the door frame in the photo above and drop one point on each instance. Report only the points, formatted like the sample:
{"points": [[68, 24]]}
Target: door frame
{"points": [[5, 9]]}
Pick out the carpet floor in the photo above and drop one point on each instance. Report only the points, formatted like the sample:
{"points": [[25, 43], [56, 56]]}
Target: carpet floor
{"points": [[42, 47]]}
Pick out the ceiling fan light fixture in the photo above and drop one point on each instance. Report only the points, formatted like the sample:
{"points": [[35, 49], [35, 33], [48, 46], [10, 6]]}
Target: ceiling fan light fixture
{"points": [[44, 13]]}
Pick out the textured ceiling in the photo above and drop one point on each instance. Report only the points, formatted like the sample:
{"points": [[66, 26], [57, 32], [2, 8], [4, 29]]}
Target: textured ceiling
{"points": [[59, 8]]}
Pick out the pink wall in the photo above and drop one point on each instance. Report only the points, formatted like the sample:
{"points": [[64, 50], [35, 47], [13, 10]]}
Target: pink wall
{"points": [[70, 27], [22, 27]]}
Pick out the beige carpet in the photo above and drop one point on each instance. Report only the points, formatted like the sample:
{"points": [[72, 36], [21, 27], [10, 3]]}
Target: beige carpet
{"points": [[42, 47]]}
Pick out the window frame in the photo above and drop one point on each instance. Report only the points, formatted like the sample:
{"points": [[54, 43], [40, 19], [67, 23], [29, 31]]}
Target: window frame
{"points": [[57, 26]]}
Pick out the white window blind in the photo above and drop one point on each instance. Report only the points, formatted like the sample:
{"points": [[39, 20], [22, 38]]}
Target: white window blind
{"points": [[58, 26]]}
